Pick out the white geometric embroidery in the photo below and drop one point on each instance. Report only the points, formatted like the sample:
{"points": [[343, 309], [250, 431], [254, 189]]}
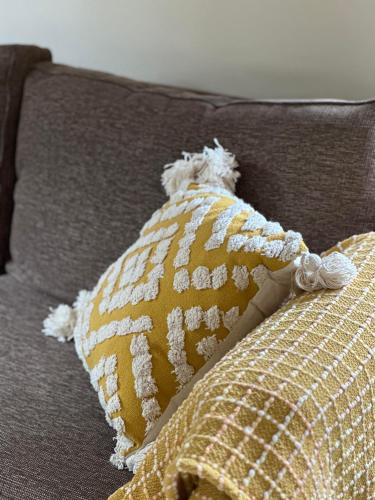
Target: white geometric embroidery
{"points": [[122, 327], [112, 276], [292, 246], [153, 237], [270, 228], [111, 384], [204, 189], [286, 250], [201, 278], [240, 275], [207, 346], [118, 424], [144, 383], [254, 244], [193, 318], [134, 294], [236, 242], [212, 318], [122, 286], [106, 369], [113, 405], [123, 444], [97, 373], [151, 411], [254, 222], [81, 331], [181, 281], [273, 248], [170, 211], [102, 399], [134, 268], [161, 251], [183, 208], [260, 275], [110, 365], [177, 354], [219, 276], [183, 255], [222, 223]]}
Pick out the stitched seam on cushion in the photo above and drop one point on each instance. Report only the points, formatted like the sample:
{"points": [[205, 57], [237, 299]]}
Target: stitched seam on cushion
{"points": [[237, 101]]}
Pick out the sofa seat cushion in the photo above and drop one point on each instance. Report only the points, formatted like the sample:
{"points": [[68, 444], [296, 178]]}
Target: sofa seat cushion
{"points": [[54, 442]]}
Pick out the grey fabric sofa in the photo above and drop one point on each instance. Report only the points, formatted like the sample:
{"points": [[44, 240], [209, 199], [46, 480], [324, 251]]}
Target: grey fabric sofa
{"points": [[81, 155]]}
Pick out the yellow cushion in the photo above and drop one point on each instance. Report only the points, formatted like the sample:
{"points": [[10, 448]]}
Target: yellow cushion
{"points": [[206, 264], [288, 413]]}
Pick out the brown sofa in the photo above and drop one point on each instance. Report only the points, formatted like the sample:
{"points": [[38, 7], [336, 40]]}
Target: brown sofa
{"points": [[81, 154]]}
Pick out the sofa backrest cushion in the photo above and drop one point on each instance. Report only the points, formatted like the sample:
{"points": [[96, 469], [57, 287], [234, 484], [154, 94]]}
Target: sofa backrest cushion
{"points": [[15, 62], [91, 149]]}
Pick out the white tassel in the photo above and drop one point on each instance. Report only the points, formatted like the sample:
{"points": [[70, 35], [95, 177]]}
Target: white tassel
{"points": [[82, 300], [215, 167], [135, 460], [61, 321], [332, 271]]}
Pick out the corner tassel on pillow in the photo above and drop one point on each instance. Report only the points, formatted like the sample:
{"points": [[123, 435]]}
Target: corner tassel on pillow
{"points": [[61, 321], [332, 271], [215, 167]]}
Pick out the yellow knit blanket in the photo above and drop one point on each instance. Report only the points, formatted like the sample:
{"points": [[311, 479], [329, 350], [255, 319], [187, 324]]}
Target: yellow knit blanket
{"points": [[288, 413]]}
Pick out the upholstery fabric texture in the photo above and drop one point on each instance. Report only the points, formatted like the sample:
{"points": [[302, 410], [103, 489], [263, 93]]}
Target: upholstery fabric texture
{"points": [[206, 266], [15, 62], [289, 413], [93, 144], [54, 442], [89, 147]]}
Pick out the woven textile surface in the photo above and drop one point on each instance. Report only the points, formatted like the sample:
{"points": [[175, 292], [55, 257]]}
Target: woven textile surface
{"points": [[206, 266], [288, 413]]}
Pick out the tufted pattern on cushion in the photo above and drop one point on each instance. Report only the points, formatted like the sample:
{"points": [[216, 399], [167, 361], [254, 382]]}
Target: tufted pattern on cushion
{"points": [[206, 268]]}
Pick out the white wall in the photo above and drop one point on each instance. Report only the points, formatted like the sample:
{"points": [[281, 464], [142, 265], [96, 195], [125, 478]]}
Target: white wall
{"points": [[255, 48]]}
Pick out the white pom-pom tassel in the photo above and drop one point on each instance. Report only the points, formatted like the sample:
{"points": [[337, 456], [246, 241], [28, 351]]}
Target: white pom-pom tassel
{"points": [[60, 323], [332, 271], [135, 460], [215, 167]]}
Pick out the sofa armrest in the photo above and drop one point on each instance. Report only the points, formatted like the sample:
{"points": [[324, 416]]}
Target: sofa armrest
{"points": [[15, 63]]}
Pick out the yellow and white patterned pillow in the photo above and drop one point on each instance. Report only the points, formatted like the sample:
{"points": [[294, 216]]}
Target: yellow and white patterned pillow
{"points": [[205, 267]]}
